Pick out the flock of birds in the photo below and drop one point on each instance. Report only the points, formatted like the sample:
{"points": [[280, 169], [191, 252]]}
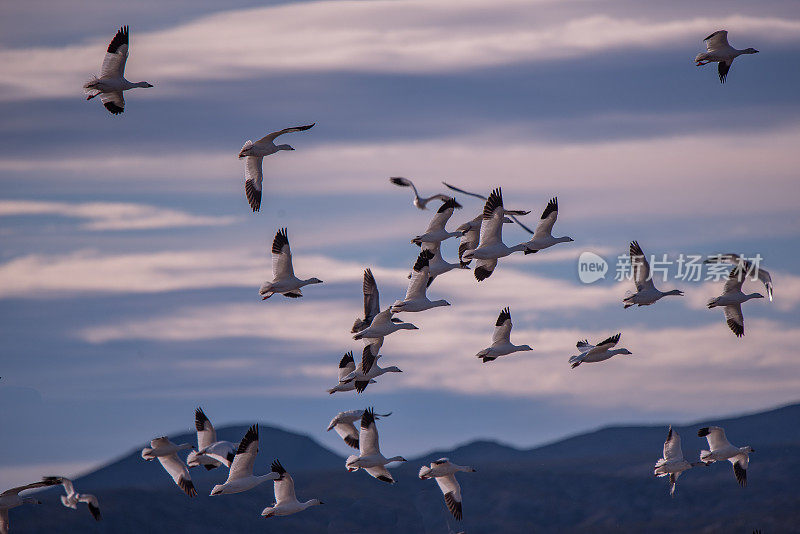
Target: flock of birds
{"points": [[480, 241]]}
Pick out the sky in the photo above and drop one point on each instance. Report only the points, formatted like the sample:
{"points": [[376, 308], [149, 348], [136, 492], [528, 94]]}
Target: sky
{"points": [[130, 262]]}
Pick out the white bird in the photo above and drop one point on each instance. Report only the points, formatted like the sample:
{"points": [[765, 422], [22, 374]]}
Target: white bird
{"points": [[718, 50], [416, 299], [240, 477], [111, 82], [346, 366], [254, 153], [382, 325], [476, 195], [370, 458], [491, 247], [167, 454], [210, 453], [444, 471], [543, 236], [501, 339], [437, 264], [732, 298], [283, 279], [368, 370], [436, 231], [646, 291], [672, 463], [10, 499], [343, 425], [286, 502], [419, 201], [597, 353], [748, 267], [470, 237], [72, 497], [372, 304], [721, 449]]}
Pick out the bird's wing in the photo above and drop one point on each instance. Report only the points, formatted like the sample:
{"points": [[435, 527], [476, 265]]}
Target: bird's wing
{"points": [[469, 241], [269, 138], [672, 446], [484, 269], [206, 435], [404, 182], [606, 344], [284, 484], [222, 451], [163, 441], [548, 219], [740, 462], [443, 215], [179, 473], [113, 102], [68, 487], [116, 55], [502, 327], [641, 269], [717, 40], [348, 432], [372, 305], [419, 276], [735, 259], [452, 494], [381, 473], [368, 435], [5, 524], [722, 69], [735, 319], [715, 436], [253, 180], [766, 279], [91, 502], [735, 280], [242, 465], [367, 360], [493, 215], [346, 365], [454, 188], [41, 484], [281, 256], [584, 345]]}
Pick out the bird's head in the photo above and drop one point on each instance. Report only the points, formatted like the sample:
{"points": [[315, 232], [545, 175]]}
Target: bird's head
{"points": [[625, 351], [285, 147], [217, 490], [750, 51]]}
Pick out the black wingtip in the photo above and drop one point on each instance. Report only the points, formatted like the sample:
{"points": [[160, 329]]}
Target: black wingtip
{"points": [[253, 195], [368, 418], [741, 474], [200, 419], [703, 432], [481, 273], [494, 201], [384, 478], [346, 359], [250, 437], [450, 203], [505, 315], [113, 108], [351, 441], [453, 505], [95, 511], [552, 206], [736, 328], [281, 239], [209, 467], [422, 260], [121, 38], [187, 487], [277, 467]]}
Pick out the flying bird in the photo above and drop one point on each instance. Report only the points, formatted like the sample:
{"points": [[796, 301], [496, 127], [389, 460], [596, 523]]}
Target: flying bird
{"points": [[369, 457], [283, 279], [72, 497], [719, 51], [646, 292], [346, 366], [286, 502], [543, 236], [419, 202], [343, 425], [372, 304], [721, 449], [10, 499], [437, 264], [253, 154], [444, 472], [477, 195], [436, 231], [672, 463], [732, 298], [210, 453], [167, 454], [382, 325], [111, 82], [597, 353], [240, 476], [749, 269], [501, 339], [416, 299], [368, 370]]}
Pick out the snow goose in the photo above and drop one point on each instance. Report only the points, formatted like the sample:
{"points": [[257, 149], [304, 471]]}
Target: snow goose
{"points": [[437, 264], [382, 325], [501, 339], [646, 292], [416, 299], [490, 246], [672, 463], [210, 453], [253, 154], [111, 82], [372, 304], [10, 499], [470, 237], [436, 231], [72, 497], [419, 201], [240, 477], [343, 425], [749, 269], [721, 449], [167, 454], [732, 298], [476, 195], [346, 366], [718, 50], [543, 236], [444, 471], [284, 281], [370, 458], [597, 353], [368, 370], [286, 502]]}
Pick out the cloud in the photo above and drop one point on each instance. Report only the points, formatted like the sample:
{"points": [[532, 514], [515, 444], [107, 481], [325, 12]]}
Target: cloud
{"points": [[102, 216], [409, 36]]}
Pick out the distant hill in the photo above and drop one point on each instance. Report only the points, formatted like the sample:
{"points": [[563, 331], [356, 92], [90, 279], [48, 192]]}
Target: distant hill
{"points": [[599, 481]]}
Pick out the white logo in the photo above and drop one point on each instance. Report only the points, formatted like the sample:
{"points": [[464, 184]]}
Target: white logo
{"points": [[591, 267]]}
